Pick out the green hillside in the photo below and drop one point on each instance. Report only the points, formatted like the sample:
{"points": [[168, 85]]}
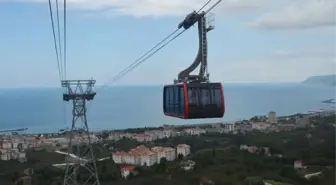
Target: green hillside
{"points": [[329, 80]]}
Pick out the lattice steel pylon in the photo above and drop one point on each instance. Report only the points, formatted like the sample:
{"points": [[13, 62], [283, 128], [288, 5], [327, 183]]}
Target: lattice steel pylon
{"points": [[80, 162]]}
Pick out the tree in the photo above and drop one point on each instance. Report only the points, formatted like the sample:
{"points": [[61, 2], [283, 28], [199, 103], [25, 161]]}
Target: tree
{"points": [[213, 152], [20, 182], [180, 156], [162, 166], [104, 167], [253, 181], [262, 151], [15, 176]]}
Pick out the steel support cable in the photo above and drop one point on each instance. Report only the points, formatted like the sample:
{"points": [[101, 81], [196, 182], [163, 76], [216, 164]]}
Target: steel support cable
{"points": [[139, 59], [64, 53], [55, 41], [65, 38], [136, 61], [60, 65], [204, 6], [59, 39], [146, 58], [136, 64]]}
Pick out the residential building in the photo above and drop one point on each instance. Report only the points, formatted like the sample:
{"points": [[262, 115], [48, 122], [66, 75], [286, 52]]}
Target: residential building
{"points": [[15, 144], [285, 127], [160, 152], [142, 155], [229, 127], [260, 125], [245, 127], [298, 164], [126, 171], [6, 144], [166, 152], [187, 165], [118, 157], [252, 149], [206, 181], [194, 131], [5, 155], [170, 154], [244, 147], [302, 122], [14, 154], [183, 149], [149, 158], [272, 117], [213, 130]]}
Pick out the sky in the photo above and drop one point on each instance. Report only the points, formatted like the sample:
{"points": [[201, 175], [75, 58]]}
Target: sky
{"points": [[254, 41]]}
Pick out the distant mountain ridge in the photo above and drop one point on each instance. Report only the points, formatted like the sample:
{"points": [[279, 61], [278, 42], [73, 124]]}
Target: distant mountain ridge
{"points": [[328, 80]]}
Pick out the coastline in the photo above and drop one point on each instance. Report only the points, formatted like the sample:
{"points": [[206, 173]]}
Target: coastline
{"points": [[200, 124], [46, 114]]}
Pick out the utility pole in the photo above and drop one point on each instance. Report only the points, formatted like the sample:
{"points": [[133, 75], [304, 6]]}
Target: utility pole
{"points": [[80, 161]]}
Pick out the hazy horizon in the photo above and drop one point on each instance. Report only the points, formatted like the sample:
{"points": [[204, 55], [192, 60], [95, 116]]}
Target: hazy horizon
{"points": [[156, 85]]}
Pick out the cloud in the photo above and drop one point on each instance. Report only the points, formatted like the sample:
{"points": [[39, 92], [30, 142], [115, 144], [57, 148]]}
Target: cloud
{"points": [[299, 14], [151, 8], [284, 14]]}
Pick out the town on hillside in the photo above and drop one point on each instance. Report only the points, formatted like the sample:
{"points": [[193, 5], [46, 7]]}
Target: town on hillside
{"points": [[133, 154]]}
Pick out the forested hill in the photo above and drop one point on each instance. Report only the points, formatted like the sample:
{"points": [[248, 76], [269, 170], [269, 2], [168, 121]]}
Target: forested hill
{"points": [[328, 80]]}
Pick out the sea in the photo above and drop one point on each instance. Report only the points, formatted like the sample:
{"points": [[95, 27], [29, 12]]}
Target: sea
{"points": [[42, 110]]}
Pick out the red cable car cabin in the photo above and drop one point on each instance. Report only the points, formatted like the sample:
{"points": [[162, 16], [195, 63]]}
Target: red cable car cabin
{"points": [[194, 100]]}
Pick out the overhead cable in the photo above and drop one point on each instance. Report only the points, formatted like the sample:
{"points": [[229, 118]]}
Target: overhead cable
{"points": [[59, 39], [55, 42], [65, 37], [139, 60]]}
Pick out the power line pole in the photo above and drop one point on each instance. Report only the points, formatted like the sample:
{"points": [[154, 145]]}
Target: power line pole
{"points": [[80, 162]]}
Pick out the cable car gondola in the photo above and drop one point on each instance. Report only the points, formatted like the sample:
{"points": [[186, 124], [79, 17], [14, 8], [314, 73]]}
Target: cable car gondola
{"points": [[194, 100], [193, 96]]}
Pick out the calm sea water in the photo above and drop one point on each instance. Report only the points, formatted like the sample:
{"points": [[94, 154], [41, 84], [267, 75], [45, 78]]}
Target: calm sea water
{"points": [[41, 110]]}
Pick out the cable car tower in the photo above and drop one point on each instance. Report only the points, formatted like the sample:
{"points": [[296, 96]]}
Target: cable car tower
{"points": [[80, 161], [79, 92]]}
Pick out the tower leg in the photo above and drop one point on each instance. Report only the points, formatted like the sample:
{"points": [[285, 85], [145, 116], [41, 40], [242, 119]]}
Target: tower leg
{"points": [[80, 161]]}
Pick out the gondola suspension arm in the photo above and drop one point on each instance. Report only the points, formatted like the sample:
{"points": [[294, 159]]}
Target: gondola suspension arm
{"points": [[201, 58]]}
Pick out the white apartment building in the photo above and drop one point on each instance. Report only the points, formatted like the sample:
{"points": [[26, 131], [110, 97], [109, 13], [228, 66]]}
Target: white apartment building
{"points": [[195, 131], [183, 149], [15, 145], [229, 127], [6, 144], [260, 125], [142, 155], [150, 158], [129, 159], [5, 155], [170, 154], [118, 157], [160, 152], [166, 152], [272, 117]]}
